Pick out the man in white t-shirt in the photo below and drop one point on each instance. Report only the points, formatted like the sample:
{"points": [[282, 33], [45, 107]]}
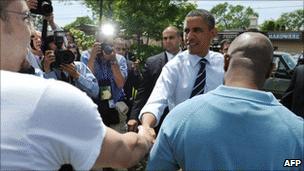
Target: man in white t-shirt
{"points": [[46, 123]]}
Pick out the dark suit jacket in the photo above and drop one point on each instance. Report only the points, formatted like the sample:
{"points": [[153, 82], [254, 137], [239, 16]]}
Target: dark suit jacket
{"points": [[151, 71], [293, 98]]}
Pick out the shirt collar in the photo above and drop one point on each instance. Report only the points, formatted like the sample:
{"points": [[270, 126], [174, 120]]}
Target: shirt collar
{"points": [[247, 94], [170, 55], [195, 59]]}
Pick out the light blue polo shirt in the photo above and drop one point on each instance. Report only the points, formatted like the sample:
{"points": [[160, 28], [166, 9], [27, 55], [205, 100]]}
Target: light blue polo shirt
{"points": [[228, 128]]}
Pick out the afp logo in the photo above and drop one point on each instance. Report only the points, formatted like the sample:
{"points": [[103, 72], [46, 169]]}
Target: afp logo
{"points": [[292, 163]]}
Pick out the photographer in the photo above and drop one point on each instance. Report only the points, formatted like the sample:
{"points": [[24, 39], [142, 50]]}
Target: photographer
{"points": [[111, 72], [75, 73], [122, 47]]}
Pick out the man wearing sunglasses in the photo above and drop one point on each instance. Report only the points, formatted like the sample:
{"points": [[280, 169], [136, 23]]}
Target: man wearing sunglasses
{"points": [[47, 123]]}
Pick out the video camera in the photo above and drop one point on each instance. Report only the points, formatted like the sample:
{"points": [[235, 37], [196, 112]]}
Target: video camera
{"points": [[44, 7], [62, 55]]}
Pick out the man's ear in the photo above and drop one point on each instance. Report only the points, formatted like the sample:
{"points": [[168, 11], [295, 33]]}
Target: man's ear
{"points": [[271, 68], [226, 61], [214, 32]]}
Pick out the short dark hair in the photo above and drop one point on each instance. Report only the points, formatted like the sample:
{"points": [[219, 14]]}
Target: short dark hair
{"points": [[3, 5], [206, 15]]}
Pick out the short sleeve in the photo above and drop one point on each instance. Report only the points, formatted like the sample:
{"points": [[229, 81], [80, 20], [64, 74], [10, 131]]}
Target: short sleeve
{"points": [[66, 127]]}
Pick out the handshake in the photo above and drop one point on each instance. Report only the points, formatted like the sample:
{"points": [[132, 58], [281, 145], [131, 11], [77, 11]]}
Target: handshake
{"points": [[148, 135]]}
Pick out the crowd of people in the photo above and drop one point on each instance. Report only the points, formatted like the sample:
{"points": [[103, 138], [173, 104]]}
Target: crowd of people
{"points": [[189, 109]]}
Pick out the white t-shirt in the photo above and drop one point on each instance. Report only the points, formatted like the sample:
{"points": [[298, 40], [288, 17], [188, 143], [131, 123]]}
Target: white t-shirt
{"points": [[47, 123]]}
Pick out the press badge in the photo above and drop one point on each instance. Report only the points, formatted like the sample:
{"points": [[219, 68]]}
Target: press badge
{"points": [[105, 92]]}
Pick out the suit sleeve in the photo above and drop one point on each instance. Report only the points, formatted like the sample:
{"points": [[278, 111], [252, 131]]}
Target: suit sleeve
{"points": [[144, 90]]}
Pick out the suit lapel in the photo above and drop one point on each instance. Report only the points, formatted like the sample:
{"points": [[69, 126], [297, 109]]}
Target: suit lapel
{"points": [[163, 59]]}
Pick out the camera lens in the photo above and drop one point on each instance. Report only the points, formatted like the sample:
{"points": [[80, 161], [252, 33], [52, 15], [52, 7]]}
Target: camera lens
{"points": [[46, 7], [108, 49]]}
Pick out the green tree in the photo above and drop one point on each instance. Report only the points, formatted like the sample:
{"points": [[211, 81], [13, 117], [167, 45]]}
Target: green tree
{"points": [[78, 22], [232, 17], [142, 17], [268, 25], [293, 21], [83, 40]]}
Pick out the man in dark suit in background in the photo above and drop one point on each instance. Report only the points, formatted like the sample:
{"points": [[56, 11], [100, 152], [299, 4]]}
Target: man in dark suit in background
{"points": [[293, 98], [152, 69]]}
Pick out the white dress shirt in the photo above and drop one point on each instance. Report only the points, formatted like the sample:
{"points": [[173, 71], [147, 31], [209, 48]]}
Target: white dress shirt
{"points": [[171, 56], [175, 83]]}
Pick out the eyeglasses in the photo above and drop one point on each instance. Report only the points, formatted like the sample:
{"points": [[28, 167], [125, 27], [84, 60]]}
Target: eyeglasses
{"points": [[27, 16]]}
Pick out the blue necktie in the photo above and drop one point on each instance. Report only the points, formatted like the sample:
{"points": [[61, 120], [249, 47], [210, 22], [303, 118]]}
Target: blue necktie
{"points": [[200, 81]]}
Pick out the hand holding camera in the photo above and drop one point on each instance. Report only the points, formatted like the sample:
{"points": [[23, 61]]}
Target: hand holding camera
{"points": [[71, 70], [49, 58], [103, 50], [109, 56], [96, 50], [41, 7], [32, 4]]}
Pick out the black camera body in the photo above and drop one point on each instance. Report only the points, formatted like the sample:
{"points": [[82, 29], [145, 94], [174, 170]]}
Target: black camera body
{"points": [[107, 48], [62, 56], [44, 7]]}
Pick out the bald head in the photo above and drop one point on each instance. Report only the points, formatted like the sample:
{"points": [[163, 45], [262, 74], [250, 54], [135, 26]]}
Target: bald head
{"points": [[250, 59]]}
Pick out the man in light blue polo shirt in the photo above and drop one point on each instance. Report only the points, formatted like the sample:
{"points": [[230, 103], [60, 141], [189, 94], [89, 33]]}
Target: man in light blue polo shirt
{"points": [[236, 126]]}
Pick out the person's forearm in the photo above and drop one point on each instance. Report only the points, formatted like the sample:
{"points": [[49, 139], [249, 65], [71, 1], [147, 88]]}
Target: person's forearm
{"points": [[139, 146], [91, 64], [118, 77], [88, 84], [148, 120]]}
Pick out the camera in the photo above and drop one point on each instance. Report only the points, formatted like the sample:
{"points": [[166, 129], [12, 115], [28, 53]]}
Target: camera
{"points": [[62, 56], [107, 48], [44, 7]]}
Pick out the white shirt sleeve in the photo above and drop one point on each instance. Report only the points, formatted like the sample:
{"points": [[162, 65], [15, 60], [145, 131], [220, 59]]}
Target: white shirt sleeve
{"points": [[163, 90], [66, 127]]}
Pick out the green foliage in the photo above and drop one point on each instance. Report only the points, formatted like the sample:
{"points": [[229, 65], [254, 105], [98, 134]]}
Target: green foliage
{"points": [[142, 17], [292, 21], [145, 51], [232, 17], [82, 40], [78, 22], [268, 25]]}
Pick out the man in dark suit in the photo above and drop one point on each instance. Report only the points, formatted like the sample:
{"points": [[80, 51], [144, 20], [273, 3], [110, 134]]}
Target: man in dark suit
{"points": [[152, 69], [293, 98]]}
